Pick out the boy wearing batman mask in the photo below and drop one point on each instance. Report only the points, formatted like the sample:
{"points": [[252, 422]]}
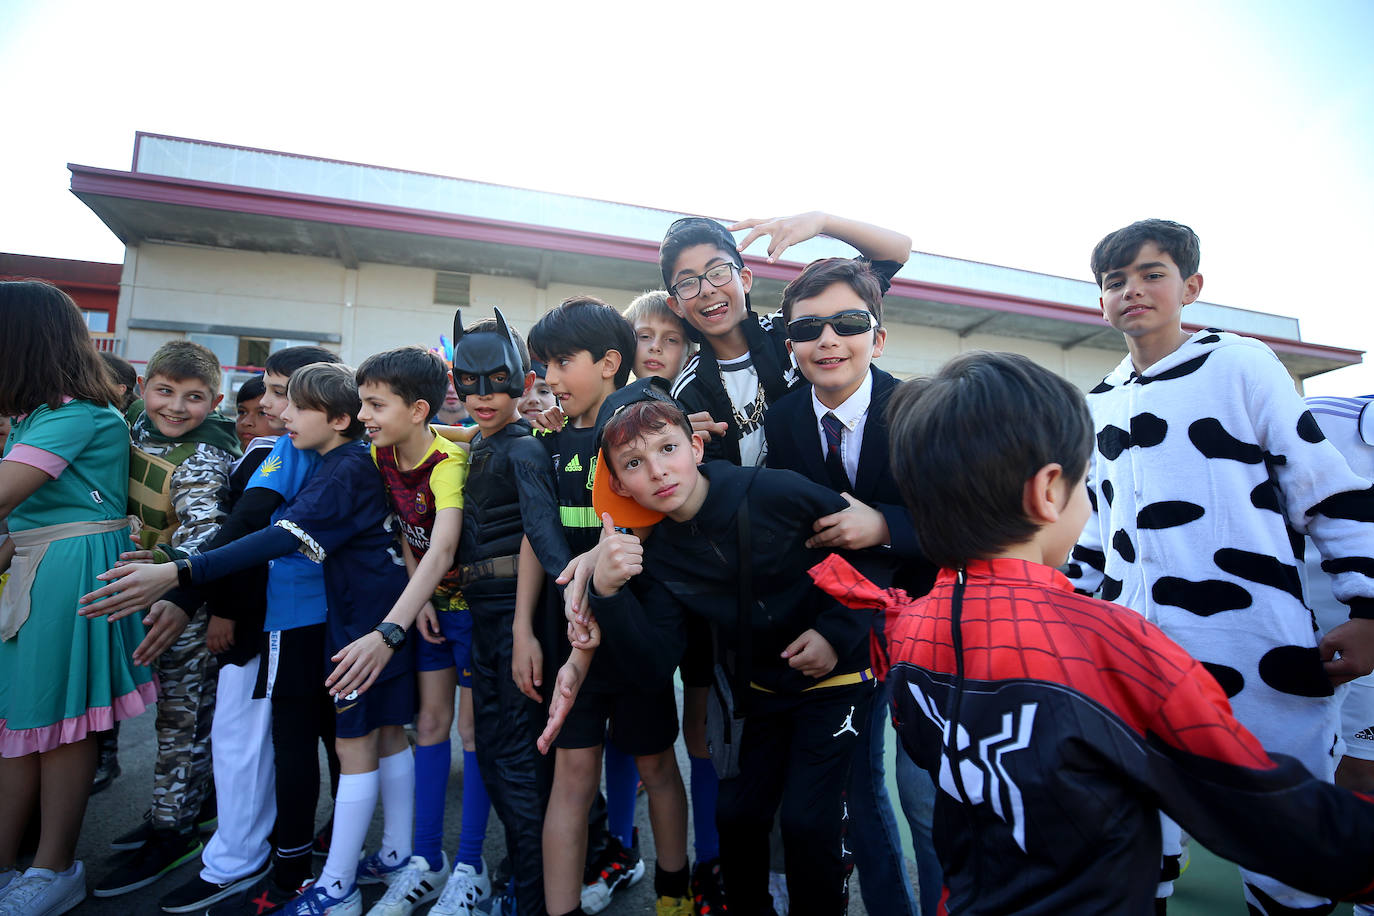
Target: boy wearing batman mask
{"points": [[509, 493]]}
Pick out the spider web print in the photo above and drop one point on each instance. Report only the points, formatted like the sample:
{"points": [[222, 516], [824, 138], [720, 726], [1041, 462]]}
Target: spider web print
{"points": [[1023, 621]]}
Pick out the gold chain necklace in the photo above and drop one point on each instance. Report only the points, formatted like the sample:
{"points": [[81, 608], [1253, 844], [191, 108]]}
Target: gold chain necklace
{"points": [[755, 409]]}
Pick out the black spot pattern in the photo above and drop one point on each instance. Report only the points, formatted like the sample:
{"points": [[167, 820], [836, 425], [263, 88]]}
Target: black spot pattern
{"points": [[1179, 371], [1296, 541], [1092, 498], [1108, 492], [1308, 428], [1100, 387], [1295, 670], [1265, 496], [1259, 568], [1094, 558], [1168, 514], [1205, 598], [1111, 588], [1122, 542], [1147, 430], [1209, 339], [1231, 680], [1112, 441], [1072, 570], [1356, 505], [1211, 438], [1362, 565]]}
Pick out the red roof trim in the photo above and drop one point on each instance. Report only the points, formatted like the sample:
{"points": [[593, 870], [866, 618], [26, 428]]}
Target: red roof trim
{"points": [[265, 202]]}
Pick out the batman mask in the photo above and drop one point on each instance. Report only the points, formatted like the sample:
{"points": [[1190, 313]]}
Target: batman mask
{"points": [[484, 354]]}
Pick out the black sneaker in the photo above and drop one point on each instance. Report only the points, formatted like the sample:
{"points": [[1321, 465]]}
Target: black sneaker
{"points": [[161, 854], [263, 897], [106, 772], [708, 889], [135, 838], [620, 868], [197, 894]]}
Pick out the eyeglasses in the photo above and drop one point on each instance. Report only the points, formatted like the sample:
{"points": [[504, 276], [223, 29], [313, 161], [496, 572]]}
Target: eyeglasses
{"points": [[690, 287], [847, 324]]}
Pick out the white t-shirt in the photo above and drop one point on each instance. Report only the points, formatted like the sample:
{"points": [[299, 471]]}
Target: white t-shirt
{"points": [[741, 382]]}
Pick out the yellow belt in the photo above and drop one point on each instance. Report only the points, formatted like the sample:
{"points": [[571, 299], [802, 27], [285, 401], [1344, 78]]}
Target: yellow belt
{"points": [[839, 680]]}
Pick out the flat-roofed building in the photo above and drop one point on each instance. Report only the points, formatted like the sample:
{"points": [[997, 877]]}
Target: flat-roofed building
{"points": [[246, 250]]}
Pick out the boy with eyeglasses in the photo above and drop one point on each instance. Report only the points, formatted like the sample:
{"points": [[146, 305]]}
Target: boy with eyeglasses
{"points": [[833, 431], [743, 364]]}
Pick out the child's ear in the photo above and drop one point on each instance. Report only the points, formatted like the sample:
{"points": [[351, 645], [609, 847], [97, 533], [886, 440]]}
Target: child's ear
{"points": [[746, 278], [529, 383], [610, 363], [142, 381], [879, 339], [215, 402], [340, 423], [420, 411], [1043, 495], [698, 447], [1192, 288], [788, 342], [617, 487]]}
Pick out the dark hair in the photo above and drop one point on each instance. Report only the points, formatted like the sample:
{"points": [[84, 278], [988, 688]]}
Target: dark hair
{"points": [[287, 360], [46, 351], [964, 443], [689, 231], [413, 373], [636, 420], [122, 373], [1118, 249], [328, 387], [584, 323], [818, 276], [179, 360], [255, 387]]}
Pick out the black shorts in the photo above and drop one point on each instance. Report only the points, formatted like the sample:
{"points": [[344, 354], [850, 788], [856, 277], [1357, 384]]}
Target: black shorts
{"points": [[641, 724], [388, 702], [698, 660], [292, 664]]}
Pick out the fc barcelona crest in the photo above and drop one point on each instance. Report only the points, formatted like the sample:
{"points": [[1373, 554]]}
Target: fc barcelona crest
{"points": [[421, 504]]}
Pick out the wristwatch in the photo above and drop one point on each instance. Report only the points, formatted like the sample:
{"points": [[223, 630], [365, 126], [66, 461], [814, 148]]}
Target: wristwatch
{"points": [[392, 634], [183, 572]]}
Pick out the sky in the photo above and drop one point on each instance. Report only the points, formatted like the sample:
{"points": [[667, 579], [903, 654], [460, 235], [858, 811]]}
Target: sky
{"points": [[1012, 133]]}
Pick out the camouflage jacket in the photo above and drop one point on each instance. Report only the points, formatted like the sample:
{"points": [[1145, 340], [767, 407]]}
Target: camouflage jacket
{"points": [[199, 487]]}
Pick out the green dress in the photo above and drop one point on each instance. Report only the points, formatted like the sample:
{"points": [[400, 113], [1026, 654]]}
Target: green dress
{"points": [[62, 675]]}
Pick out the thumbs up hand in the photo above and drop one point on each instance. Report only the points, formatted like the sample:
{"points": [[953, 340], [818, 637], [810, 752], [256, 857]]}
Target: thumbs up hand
{"points": [[619, 556]]}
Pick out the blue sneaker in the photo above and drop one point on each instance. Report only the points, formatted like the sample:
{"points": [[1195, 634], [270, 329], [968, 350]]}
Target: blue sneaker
{"points": [[381, 867], [314, 901]]}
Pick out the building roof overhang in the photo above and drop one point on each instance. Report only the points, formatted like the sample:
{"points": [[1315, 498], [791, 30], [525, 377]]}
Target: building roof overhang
{"points": [[144, 207]]}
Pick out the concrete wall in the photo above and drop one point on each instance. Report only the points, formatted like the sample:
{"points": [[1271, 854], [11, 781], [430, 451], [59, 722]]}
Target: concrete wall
{"points": [[378, 306]]}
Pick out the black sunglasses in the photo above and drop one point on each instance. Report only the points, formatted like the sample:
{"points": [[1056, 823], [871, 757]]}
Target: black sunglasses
{"points": [[847, 324]]}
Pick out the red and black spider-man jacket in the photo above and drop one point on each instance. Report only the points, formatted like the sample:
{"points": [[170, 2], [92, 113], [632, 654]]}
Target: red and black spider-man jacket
{"points": [[1055, 725]]}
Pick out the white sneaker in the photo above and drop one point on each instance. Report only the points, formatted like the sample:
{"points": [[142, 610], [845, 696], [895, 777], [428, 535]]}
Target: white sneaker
{"points": [[466, 888], [777, 887], [411, 886], [44, 892]]}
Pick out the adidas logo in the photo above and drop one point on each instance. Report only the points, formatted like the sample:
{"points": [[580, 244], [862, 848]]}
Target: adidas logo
{"points": [[1365, 734], [574, 465]]}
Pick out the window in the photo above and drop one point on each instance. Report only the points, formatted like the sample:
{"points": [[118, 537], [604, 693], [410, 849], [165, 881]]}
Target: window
{"points": [[97, 321]]}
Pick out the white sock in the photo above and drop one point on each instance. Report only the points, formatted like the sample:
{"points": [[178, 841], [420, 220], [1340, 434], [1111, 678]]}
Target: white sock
{"points": [[398, 803], [353, 806]]}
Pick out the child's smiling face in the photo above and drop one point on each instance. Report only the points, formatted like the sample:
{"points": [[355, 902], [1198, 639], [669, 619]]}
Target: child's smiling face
{"points": [[714, 311], [177, 406], [835, 364]]}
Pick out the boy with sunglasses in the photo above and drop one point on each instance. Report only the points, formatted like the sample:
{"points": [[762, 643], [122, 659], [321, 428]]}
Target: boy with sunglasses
{"points": [[833, 431], [743, 365]]}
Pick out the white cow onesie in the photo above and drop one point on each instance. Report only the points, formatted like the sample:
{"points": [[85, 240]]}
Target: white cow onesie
{"points": [[1206, 472]]}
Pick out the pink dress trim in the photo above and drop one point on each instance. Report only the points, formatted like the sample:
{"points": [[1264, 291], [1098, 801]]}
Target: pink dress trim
{"points": [[45, 461], [24, 741]]}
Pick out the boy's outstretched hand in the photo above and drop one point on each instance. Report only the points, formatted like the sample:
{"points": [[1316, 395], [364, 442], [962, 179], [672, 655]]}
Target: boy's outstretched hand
{"points": [[131, 588], [165, 623], [1354, 640], [855, 528], [359, 664], [811, 654], [565, 688], [702, 423], [784, 231], [526, 661]]}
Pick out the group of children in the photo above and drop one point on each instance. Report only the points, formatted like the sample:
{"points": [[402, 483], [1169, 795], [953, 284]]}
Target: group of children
{"points": [[761, 515]]}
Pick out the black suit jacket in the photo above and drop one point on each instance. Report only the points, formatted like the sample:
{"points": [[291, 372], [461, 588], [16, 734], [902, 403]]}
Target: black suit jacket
{"points": [[794, 443]]}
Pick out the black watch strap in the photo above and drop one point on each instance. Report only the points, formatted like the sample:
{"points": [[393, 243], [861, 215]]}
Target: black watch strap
{"points": [[393, 635], [183, 573]]}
